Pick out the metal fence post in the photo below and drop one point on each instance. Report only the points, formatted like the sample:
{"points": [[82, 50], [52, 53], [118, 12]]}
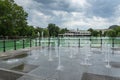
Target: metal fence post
{"points": [[79, 43], [4, 47], [113, 42], [90, 38], [58, 41], [48, 41], [101, 42], [14, 44], [36, 42], [23, 43], [30, 43], [39, 40]]}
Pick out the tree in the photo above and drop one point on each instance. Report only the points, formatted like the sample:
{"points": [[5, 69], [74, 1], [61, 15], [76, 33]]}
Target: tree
{"points": [[100, 33], [90, 29], [57, 30], [118, 35], [117, 30], [105, 33], [111, 33], [64, 30], [95, 33], [12, 19], [30, 31], [53, 30], [40, 30], [46, 33], [113, 26]]}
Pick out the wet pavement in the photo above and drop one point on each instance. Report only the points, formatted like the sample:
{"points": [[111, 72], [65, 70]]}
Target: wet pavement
{"points": [[75, 64], [6, 75]]}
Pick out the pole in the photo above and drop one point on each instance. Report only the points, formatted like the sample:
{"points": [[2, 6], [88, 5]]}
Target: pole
{"points": [[23, 43], [36, 42], [113, 42], [4, 46], [30, 43], [79, 43], [101, 42], [14, 44]]}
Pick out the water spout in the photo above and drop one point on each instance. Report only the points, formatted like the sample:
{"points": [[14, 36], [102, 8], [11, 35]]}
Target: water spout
{"points": [[60, 67]]}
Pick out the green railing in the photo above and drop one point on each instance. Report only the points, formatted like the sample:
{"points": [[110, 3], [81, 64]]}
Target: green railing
{"points": [[7, 45]]}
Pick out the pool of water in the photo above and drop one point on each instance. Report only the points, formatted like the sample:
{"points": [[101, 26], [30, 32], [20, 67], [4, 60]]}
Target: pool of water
{"points": [[66, 63]]}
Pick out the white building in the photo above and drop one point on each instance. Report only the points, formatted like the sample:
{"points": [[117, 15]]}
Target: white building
{"points": [[74, 33]]}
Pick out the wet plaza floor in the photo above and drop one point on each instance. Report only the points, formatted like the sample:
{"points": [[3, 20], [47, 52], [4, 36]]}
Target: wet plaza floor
{"points": [[63, 63]]}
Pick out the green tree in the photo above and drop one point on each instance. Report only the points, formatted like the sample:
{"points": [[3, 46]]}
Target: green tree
{"points": [[100, 33], [39, 29], [105, 33], [53, 30], [90, 29], [12, 19], [46, 33], [57, 31], [111, 33], [30, 31], [118, 35], [95, 33], [117, 30], [64, 30]]}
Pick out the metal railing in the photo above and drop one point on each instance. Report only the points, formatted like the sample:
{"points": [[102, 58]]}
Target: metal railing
{"points": [[15, 44]]}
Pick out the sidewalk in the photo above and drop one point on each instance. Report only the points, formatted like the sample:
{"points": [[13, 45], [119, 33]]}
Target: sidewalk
{"points": [[13, 53]]}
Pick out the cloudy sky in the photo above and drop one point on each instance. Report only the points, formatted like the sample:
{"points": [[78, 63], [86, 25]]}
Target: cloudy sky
{"points": [[72, 14]]}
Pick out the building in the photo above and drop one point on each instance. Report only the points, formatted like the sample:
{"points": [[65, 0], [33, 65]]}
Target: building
{"points": [[74, 33]]}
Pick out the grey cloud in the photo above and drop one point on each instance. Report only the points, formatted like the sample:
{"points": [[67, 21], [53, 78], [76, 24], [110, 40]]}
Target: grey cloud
{"points": [[60, 12], [53, 4], [103, 8]]}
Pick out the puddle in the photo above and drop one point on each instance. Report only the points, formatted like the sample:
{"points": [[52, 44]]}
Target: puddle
{"points": [[115, 64], [90, 76], [24, 68], [5, 75]]}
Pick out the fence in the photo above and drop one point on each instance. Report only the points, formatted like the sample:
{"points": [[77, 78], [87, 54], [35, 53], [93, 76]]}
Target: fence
{"points": [[6, 45]]}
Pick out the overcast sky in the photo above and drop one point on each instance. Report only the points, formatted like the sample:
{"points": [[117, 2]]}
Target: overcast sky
{"points": [[72, 14]]}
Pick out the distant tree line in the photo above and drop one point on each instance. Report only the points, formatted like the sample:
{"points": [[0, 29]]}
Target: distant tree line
{"points": [[13, 22], [95, 33], [113, 31], [51, 31]]}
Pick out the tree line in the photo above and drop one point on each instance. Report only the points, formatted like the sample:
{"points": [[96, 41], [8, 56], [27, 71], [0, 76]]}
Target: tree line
{"points": [[13, 22], [112, 31]]}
